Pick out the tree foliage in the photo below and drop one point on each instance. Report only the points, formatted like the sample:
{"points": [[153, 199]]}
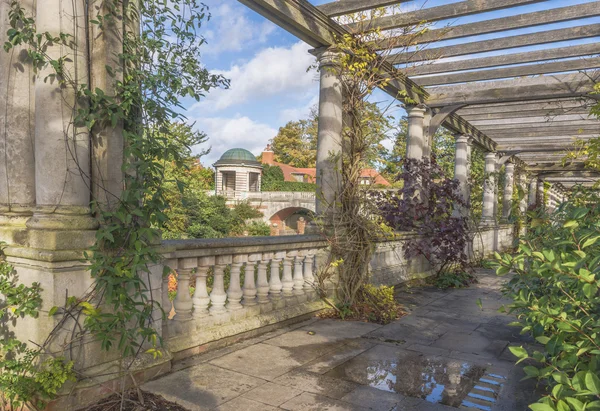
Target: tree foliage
{"points": [[296, 142]]}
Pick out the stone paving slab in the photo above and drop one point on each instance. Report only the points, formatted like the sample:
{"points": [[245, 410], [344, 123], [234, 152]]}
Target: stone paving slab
{"points": [[343, 365], [202, 387]]}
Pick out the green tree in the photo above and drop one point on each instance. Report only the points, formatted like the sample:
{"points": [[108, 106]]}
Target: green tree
{"points": [[296, 142]]}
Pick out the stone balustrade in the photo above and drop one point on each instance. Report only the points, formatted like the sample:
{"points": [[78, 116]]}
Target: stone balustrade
{"points": [[232, 283]]}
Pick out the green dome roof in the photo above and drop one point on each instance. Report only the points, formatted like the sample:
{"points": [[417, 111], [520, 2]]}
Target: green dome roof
{"points": [[238, 156]]}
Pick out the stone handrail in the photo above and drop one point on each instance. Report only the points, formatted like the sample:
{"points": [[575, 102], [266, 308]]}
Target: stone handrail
{"points": [[265, 195]]}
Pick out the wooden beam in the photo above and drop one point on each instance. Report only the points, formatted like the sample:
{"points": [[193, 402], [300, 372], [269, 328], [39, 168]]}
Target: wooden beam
{"points": [[502, 43], [563, 125], [448, 11], [524, 20], [518, 106], [339, 8], [543, 87], [560, 119], [532, 133], [506, 59], [522, 115], [519, 71]]}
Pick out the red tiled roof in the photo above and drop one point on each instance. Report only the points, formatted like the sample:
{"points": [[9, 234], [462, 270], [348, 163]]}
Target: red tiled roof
{"points": [[311, 173]]}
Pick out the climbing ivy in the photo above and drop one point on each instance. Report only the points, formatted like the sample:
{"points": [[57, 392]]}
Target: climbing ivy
{"points": [[158, 66]]}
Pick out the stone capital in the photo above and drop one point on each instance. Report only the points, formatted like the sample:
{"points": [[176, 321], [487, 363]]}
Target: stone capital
{"points": [[463, 139], [415, 110], [326, 56]]}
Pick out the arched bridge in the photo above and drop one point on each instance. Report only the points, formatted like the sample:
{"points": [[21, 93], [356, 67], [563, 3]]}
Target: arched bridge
{"points": [[271, 203]]}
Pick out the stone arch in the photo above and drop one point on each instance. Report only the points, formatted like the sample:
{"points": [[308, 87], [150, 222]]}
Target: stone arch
{"points": [[288, 217]]}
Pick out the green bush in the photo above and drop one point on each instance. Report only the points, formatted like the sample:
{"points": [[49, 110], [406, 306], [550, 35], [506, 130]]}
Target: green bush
{"points": [[295, 186], [378, 304], [556, 300], [453, 279], [258, 228]]}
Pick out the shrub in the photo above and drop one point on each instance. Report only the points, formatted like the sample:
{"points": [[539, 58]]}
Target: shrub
{"points": [[376, 304], [427, 208], [454, 279], [258, 228], [556, 300]]}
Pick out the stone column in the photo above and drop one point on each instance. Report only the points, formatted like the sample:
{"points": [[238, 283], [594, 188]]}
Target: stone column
{"points": [[329, 138], [540, 194], [489, 190], [531, 195], [106, 45], [415, 139], [461, 171], [523, 188], [508, 192], [17, 127], [62, 150]]}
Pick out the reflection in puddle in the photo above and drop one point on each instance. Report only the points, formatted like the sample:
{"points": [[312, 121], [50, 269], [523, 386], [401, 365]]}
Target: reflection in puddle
{"points": [[435, 379]]}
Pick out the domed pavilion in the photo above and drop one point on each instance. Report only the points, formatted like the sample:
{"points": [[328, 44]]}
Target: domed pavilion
{"points": [[237, 170]]}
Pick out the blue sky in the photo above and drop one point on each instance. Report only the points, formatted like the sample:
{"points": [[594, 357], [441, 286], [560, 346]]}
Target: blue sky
{"points": [[267, 67]]}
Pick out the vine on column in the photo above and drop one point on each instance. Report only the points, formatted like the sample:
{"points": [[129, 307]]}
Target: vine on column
{"points": [[156, 68]]}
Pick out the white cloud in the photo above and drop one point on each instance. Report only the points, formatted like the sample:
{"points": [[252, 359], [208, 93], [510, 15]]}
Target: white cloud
{"points": [[298, 113], [239, 132], [272, 71], [231, 29]]}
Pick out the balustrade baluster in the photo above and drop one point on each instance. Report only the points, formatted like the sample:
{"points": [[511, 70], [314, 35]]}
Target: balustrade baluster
{"points": [[298, 278], [165, 300], [183, 301], [234, 292], [218, 297], [262, 283], [249, 281], [201, 299], [287, 281], [309, 279], [275, 285]]}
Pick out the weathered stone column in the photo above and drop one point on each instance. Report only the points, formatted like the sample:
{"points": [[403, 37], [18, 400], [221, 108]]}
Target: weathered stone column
{"points": [[461, 170], [523, 188], [17, 128], [508, 192], [106, 45], [415, 140], [329, 138], [540, 194], [531, 195], [489, 190]]}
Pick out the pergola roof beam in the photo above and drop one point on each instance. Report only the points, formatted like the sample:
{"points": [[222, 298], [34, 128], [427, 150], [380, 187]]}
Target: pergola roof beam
{"points": [[525, 114], [339, 8], [502, 43], [543, 87], [566, 125], [535, 120], [519, 21], [448, 11], [506, 59], [519, 71]]}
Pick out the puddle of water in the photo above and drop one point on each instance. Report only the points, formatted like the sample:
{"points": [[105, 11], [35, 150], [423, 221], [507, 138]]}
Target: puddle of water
{"points": [[435, 379]]}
